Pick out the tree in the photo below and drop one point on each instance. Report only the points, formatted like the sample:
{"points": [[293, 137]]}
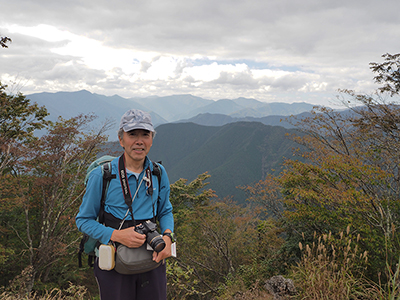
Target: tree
{"points": [[388, 73], [219, 243], [49, 181], [18, 121], [183, 280], [351, 176], [348, 174], [3, 41]]}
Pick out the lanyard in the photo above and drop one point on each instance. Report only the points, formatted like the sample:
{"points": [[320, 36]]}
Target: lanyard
{"points": [[126, 190], [124, 184]]}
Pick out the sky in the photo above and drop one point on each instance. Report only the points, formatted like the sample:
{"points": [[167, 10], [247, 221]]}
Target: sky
{"points": [[270, 50]]}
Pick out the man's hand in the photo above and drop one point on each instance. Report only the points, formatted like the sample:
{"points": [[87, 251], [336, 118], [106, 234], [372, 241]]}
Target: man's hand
{"points": [[128, 237], [165, 253]]}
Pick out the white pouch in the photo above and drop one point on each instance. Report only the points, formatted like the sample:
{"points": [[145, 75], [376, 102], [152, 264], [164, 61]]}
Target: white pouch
{"points": [[106, 257]]}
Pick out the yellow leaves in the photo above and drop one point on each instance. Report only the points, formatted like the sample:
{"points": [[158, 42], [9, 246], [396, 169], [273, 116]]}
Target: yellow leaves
{"points": [[347, 162], [334, 183]]}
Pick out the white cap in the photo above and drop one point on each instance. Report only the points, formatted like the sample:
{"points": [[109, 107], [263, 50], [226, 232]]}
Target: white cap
{"points": [[136, 119]]}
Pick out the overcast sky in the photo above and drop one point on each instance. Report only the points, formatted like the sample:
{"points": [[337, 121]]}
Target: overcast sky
{"points": [[270, 50]]}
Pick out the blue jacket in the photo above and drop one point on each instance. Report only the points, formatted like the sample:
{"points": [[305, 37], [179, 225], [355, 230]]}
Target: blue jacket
{"points": [[115, 203]]}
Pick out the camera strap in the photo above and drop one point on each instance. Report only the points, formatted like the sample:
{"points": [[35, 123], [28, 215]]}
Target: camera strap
{"points": [[126, 190], [124, 183]]}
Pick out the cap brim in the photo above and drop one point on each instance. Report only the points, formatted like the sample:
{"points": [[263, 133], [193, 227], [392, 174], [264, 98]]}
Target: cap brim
{"points": [[131, 127]]}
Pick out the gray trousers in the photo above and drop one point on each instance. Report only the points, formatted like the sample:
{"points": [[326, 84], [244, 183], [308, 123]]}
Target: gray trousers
{"points": [[151, 285]]}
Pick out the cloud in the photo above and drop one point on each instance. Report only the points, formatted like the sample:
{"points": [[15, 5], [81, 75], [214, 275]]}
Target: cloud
{"points": [[270, 50]]}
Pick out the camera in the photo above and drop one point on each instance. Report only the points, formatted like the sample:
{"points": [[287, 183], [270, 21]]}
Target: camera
{"points": [[153, 238]]}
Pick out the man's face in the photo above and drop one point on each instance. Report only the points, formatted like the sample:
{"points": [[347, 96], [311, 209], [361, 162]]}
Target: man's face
{"points": [[137, 144]]}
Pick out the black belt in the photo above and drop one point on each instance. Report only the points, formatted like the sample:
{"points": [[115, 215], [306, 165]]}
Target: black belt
{"points": [[114, 222]]}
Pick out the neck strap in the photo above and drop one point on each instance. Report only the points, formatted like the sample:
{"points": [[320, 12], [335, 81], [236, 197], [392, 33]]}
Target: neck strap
{"points": [[126, 190], [124, 184]]}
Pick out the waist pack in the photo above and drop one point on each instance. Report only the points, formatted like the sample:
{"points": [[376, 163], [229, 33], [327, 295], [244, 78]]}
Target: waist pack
{"points": [[130, 260], [134, 260]]}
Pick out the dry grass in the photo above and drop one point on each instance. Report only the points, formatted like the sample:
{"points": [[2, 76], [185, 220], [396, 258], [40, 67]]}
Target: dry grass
{"points": [[19, 290], [331, 269], [72, 293]]}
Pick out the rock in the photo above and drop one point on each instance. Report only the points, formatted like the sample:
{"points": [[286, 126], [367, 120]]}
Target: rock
{"points": [[280, 287]]}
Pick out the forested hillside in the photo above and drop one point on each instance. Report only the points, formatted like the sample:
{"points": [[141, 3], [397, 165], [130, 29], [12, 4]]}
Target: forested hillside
{"points": [[236, 154]]}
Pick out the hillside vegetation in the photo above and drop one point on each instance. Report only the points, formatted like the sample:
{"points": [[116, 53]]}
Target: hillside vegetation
{"points": [[236, 154], [326, 226]]}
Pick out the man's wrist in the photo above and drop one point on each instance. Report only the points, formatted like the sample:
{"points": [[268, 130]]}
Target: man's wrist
{"points": [[171, 235]]}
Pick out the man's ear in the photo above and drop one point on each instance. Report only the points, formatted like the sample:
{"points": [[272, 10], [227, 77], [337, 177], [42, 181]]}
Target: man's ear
{"points": [[121, 142]]}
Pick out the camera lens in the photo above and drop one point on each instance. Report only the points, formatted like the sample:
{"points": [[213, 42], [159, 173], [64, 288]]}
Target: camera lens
{"points": [[156, 241]]}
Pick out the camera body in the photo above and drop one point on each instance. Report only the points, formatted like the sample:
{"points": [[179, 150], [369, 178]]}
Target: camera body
{"points": [[153, 238]]}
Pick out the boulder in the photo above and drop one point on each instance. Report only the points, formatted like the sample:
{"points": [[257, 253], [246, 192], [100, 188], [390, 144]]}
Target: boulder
{"points": [[280, 287]]}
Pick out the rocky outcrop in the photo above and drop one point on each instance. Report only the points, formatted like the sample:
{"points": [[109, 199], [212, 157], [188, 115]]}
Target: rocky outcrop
{"points": [[280, 287]]}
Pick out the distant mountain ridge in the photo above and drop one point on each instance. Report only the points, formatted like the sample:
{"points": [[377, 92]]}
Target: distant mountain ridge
{"points": [[162, 109], [173, 108], [208, 119]]}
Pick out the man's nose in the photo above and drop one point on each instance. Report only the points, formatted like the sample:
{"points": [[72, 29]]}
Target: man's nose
{"points": [[139, 140]]}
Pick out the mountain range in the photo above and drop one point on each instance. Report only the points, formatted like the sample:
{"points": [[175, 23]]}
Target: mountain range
{"points": [[238, 142], [177, 108]]}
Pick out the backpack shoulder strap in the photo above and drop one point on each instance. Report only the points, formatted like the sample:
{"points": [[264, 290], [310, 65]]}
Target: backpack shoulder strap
{"points": [[157, 172], [107, 176]]}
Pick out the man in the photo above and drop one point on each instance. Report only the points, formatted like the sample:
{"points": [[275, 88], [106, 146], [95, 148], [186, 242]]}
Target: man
{"points": [[135, 135]]}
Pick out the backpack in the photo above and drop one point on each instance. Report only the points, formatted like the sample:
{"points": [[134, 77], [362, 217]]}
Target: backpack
{"points": [[89, 244]]}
